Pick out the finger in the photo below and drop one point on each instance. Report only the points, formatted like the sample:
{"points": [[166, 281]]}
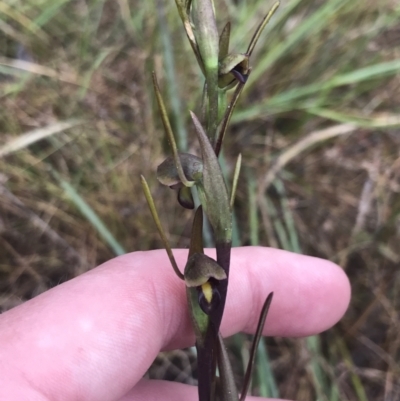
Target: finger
{"points": [[157, 390], [310, 294], [94, 337]]}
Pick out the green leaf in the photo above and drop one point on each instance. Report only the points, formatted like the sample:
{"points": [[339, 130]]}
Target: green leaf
{"points": [[212, 191], [256, 341], [224, 41], [223, 126], [227, 387], [183, 10], [156, 219], [235, 179], [260, 28], [196, 237], [170, 135]]}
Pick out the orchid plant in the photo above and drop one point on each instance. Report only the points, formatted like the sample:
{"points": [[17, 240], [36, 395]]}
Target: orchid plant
{"points": [[207, 279]]}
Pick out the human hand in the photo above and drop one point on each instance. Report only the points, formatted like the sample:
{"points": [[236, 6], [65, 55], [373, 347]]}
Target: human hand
{"points": [[94, 337]]}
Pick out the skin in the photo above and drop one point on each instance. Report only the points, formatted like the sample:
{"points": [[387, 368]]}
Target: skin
{"points": [[93, 337]]}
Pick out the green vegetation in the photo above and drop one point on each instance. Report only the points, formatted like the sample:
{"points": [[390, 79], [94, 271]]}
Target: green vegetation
{"points": [[317, 125]]}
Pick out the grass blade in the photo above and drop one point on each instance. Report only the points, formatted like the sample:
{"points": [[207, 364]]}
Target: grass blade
{"points": [[90, 215], [34, 136]]}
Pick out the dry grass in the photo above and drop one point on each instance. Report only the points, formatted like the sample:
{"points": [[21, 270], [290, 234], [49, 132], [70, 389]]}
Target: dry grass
{"points": [[318, 128]]}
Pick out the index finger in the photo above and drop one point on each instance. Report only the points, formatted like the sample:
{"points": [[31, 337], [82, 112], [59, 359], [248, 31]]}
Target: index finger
{"points": [[95, 336]]}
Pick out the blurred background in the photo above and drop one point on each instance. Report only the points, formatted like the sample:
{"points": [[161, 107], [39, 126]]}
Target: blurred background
{"points": [[318, 125]]}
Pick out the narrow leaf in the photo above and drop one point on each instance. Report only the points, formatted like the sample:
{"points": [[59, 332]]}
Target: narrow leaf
{"points": [[224, 41], [183, 9], [227, 388], [227, 117], [235, 179], [196, 238], [170, 135], [213, 192], [260, 28], [156, 219], [257, 337]]}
